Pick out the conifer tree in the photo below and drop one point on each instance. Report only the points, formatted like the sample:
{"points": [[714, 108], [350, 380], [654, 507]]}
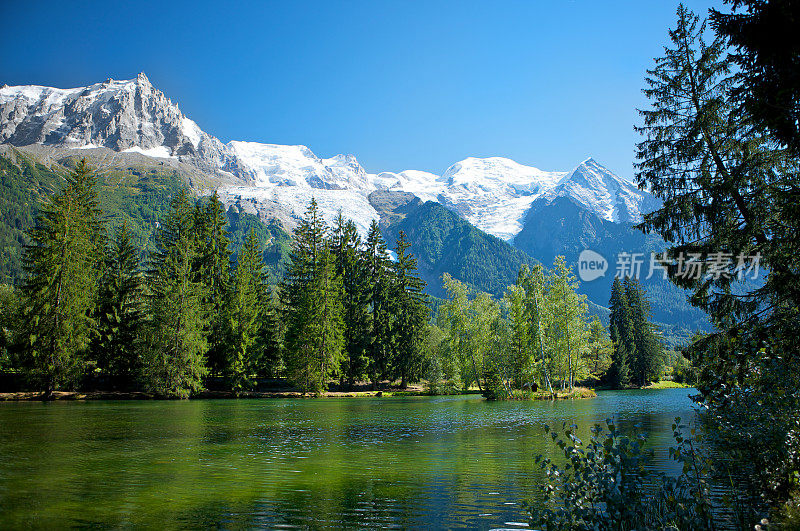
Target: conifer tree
{"points": [[646, 365], [728, 188], [175, 354], [62, 265], [246, 314], [383, 327], [212, 269], [411, 313], [312, 297], [621, 331], [269, 345], [352, 268], [120, 316]]}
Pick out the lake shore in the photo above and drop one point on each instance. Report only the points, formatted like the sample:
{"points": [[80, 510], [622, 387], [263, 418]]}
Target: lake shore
{"points": [[411, 390]]}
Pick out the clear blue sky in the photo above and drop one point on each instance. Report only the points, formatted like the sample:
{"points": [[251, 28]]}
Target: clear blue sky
{"points": [[402, 85]]}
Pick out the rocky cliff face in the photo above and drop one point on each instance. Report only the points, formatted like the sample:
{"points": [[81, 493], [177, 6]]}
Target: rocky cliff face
{"points": [[120, 115]]}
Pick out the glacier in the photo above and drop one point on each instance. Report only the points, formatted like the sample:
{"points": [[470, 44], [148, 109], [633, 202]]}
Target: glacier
{"points": [[274, 180]]}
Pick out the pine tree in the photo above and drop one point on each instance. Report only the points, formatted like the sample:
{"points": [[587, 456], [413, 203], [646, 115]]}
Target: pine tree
{"points": [[120, 316], [647, 362], [269, 344], [352, 268], [411, 312], [246, 314], [312, 296], [621, 330], [62, 265], [211, 268], [175, 354], [383, 328]]}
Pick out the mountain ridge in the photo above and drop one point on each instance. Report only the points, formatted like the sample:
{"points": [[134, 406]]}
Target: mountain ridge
{"points": [[277, 181]]}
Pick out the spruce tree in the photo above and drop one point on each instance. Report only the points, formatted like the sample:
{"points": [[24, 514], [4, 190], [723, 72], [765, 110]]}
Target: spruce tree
{"points": [[411, 312], [621, 330], [647, 362], [212, 269], [120, 316], [175, 354], [269, 344], [382, 329], [352, 268], [246, 314], [312, 299], [62, 263]]}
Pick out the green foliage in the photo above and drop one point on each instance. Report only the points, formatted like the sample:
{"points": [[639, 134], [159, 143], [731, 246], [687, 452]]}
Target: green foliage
{"points": [[176, 345], [312, 296], [599, 350], [63, 265], [211, 269], [538, 330], [382, 327], [638, 351], [606, 484], [351, 266], [724, 162], [247, 318], [9, 316], [119, 313], [766, 52], [412, 313]]}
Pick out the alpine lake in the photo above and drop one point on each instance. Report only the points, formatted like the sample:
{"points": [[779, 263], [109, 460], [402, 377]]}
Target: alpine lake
{"points": [[398, 462]]}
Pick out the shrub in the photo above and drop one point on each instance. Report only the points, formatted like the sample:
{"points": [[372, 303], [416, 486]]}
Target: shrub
{"points": [[606, 485]]}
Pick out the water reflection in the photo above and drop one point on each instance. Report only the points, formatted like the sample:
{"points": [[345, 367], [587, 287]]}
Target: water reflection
{"points": [[407, 462]]}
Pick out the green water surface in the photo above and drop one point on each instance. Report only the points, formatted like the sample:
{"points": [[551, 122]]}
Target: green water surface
{"points": [[351, 462]]}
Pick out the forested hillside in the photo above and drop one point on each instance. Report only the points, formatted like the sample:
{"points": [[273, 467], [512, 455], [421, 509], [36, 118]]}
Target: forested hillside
{"points": [[138, 196], [443, 242]]}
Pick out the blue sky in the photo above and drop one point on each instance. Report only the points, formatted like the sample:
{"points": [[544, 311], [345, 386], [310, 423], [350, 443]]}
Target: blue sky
{"points": [[402, 85]]}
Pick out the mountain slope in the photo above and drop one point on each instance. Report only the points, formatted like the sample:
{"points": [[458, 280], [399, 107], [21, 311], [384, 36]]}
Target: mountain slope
{"points": [[564, 227], [443, 242], [138, 193], [600, 191]]}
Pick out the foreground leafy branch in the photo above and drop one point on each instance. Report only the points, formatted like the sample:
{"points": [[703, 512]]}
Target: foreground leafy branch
{"points": [[605, 483]]}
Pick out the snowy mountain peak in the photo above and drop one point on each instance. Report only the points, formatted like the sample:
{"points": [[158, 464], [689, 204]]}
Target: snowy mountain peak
{"points": [[128, 115], [493, 193], [599, 190]]}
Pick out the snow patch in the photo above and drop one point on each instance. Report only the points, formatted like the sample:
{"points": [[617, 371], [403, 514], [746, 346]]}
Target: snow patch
{"points": [[158, 152]]}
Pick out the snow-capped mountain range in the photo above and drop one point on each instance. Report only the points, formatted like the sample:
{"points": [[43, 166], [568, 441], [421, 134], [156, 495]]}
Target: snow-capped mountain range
{"points": [[272, 180]]}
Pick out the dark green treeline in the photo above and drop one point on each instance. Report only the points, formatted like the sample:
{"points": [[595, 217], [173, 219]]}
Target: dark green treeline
{"points": [[638, 355], [90, 314]]}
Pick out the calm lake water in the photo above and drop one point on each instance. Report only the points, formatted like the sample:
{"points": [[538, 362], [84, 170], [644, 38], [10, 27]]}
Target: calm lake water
{"points": [[363, 462]]}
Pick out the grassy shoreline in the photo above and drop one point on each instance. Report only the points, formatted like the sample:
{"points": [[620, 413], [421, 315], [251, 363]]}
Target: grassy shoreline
{"points": [[578, 393], [414, 390]]}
